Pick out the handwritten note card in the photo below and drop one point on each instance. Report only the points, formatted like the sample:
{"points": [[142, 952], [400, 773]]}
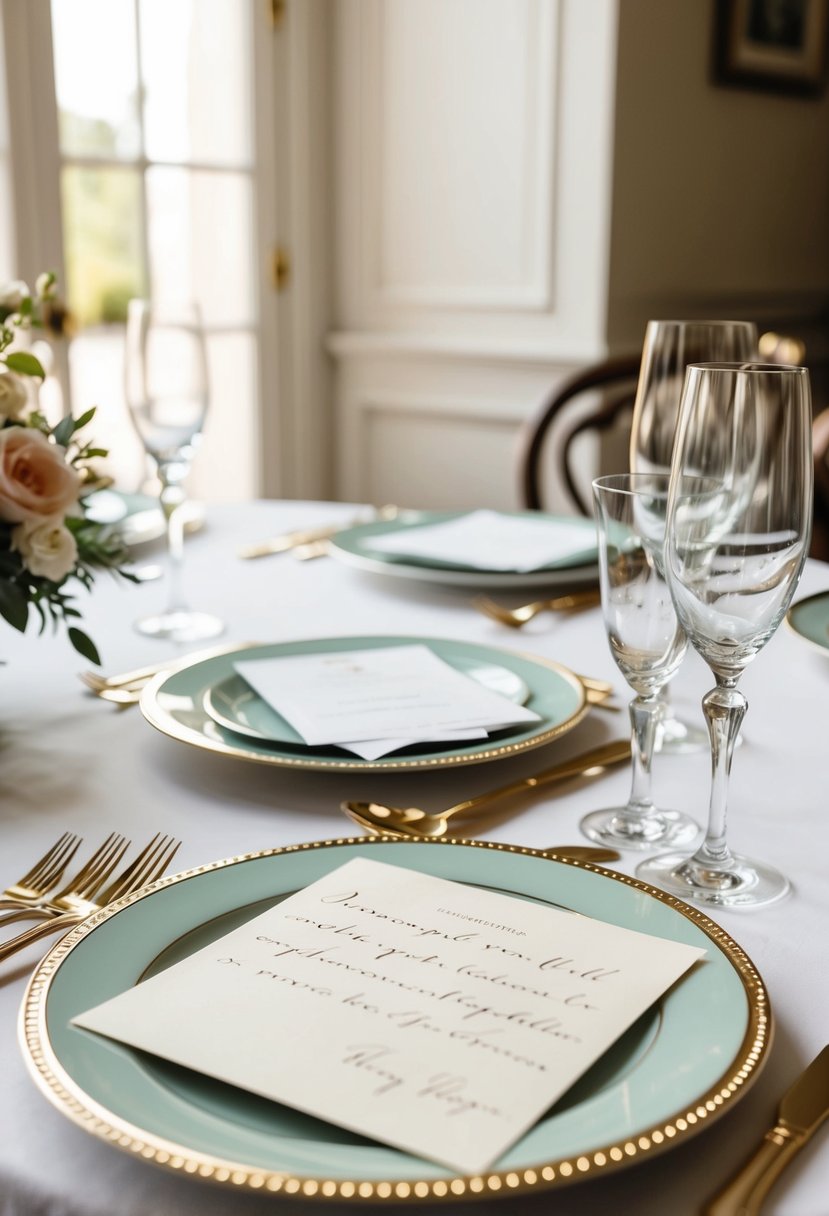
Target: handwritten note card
{"points": [[432, 1016]]}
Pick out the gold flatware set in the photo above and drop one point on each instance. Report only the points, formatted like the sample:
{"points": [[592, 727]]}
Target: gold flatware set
{"points": [[575, 601], [411, 821], [83, 894]]}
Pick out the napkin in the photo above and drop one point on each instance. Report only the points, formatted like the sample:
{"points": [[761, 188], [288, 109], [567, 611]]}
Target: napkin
{"points": [[373, 702], [488, 540]]}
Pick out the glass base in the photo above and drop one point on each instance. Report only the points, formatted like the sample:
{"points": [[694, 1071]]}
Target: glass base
{"points": [[741, 883], [677, 738], [622, 829], [182, 626]]}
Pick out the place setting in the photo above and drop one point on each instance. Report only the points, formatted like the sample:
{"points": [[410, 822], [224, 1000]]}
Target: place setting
{"points": [[476, 549], [367, 703]]}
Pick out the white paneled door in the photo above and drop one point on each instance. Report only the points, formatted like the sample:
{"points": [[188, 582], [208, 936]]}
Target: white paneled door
{"points": [[473, 146]]}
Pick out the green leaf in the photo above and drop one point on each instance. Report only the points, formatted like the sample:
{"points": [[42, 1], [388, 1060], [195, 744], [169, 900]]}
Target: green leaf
{"points": [[26, 306], [84, 645], [14, 605], [21, 361], [86, 417], [64, 431]]}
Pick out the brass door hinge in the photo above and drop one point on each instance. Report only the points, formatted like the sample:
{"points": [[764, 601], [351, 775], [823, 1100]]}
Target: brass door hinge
{"points": [[280, 268], [276, 12]]}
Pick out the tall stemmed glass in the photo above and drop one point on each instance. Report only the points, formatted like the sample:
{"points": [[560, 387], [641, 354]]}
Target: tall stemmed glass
{"points": [[167, 395], [669, 347], [645, 640], [733, 558]]}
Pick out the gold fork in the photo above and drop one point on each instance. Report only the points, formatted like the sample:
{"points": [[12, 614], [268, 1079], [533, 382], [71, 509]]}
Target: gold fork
{"points": [[44, 874], [516, 617], [83, 886], [149, 865]]}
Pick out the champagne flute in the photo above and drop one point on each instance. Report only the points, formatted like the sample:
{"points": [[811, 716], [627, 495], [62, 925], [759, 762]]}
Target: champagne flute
{"points": [[733, 558], [167, 395], [646, 641], [669, 347]]}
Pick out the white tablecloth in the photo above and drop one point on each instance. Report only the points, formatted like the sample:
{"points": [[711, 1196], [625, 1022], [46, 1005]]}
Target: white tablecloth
{"points": [[69, 761]]}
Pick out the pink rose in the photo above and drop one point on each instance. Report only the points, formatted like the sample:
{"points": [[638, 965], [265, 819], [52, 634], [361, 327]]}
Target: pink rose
{"points": [[35, 480]]}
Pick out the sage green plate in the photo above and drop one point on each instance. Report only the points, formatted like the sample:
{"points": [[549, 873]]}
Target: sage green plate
{"points": [[352, 546], [810, 619], [176, 702], [683, 1063]]}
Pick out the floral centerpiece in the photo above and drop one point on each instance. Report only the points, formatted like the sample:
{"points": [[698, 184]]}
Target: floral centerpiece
{"points": [[46, 538]]}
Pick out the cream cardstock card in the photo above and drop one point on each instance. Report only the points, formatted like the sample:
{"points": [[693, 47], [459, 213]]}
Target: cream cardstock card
{"points": [[432, 1016], [488, 540]]}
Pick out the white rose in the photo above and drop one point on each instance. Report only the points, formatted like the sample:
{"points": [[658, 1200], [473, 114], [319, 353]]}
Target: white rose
{"points": [[13, 294], [48, 549], [13, 395]]}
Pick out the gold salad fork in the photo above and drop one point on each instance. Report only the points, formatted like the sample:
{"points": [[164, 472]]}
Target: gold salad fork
{"points": [[516, 617], [149, 865], [83, 885], [44, 874]]}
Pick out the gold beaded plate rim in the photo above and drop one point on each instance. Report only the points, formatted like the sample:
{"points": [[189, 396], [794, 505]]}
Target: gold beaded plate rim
{"points": [[168, 724], [71, 1100]]}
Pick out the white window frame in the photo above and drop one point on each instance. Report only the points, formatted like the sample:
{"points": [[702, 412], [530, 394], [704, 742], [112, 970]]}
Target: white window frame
{"points": [[290, 99]]}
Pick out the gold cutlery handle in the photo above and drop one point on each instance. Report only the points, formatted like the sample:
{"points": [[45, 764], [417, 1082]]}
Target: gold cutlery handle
{"points": [[598, 757], [744, 1193], [290, 540], [53, 925], [23, 912]]}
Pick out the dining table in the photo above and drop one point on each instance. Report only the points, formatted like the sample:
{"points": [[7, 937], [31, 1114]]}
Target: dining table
{"points": [[70, 761]]}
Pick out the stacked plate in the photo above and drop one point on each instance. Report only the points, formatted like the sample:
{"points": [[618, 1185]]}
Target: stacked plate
{"points": [[686, 1061], [355, 547], [205, 703]]}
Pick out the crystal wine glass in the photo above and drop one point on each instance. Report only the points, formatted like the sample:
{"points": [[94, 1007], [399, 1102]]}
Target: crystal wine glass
{"points": [[669, 347], [733, 558], [646, 641], [167, 395]]}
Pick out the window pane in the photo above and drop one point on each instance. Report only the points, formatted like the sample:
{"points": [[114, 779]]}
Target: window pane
{"points": [[96, 77], [102, 242], [200, 237], [96, 372], [195, 61]]}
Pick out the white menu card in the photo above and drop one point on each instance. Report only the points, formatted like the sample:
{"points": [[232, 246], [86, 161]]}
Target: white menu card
{"points": [[489, 540], [376, 701], [435, 1017]]}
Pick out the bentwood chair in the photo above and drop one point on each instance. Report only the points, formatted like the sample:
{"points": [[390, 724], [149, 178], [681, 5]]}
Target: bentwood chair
{"points": [[599, 398]]}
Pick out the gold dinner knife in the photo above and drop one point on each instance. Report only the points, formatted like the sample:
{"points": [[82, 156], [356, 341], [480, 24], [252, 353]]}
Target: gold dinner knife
{"points": [[802, 1110]]}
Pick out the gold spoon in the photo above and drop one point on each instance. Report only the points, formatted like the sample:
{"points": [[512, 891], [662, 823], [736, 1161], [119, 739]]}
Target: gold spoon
{"points": [[411, 821], [516, 617]]}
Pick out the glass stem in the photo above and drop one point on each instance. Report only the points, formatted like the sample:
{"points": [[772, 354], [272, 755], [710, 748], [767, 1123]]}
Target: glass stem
{"points": [[724, 708], [172, 498], [644, 717]]}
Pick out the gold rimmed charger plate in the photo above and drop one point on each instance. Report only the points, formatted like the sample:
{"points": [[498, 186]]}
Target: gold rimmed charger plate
{"points": [[175, 702], [684, 1063]]}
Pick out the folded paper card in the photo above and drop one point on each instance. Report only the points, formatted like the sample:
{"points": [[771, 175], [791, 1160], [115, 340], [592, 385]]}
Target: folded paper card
{"points": [[435, 1017], [488, 540], [376, 701]]}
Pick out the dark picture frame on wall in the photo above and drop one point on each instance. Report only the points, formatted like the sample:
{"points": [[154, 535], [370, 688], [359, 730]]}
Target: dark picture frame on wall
{"points": [[777, 46]]}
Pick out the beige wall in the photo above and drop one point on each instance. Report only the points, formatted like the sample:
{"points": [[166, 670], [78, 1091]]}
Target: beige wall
{"points": [[720, 195]]}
